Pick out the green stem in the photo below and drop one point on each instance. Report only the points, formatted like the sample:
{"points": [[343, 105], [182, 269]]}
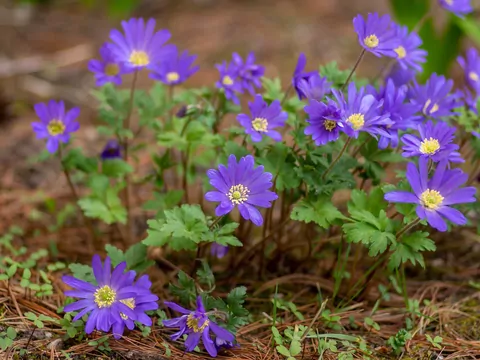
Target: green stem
{"points": [[127, 176], [215, 222], [406, 228], [359, 60], [286, 94], [86, 220], [337, 158]]}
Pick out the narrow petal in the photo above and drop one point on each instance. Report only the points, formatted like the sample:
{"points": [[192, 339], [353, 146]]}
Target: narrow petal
{"points": [[208, 343], [221, 332], [192, 341], [401, 197], [78, 284], [176, 307], [436, 221], [454, 215]]}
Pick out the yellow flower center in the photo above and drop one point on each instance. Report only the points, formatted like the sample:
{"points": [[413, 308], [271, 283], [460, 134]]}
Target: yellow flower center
{"points": [[427, 104], [431, 199], [227, 80], [173, 76], [473, 76], [55, 127], [356, 120], [330, 125], [104, 296], [139, 58], [260, 124], [192, 323], [401, 52], [238, 194], [112, 69], [130, 302], [371, 41], [429, 146]]}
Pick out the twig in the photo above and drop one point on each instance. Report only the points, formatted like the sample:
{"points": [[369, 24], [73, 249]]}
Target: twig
{"points": [[337, 158], [359, 60]]}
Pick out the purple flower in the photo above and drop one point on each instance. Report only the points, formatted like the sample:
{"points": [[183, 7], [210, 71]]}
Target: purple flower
{"points": [[107, 69], [196, 324], [376, 35], [470, 100], [401, 113], [362, 112], [458, 7], [471, 66], [315, 87], [434, 97], [143, 301], [324, 121], [229, 81], [55, 125], [299, 75], [242, 185], [408, 53], [114, 302], [249, 72], [111, 150], [141, 47], [176, 69], [401, 76], [218, 250], [435, 143], [263, 120], [434, 196]]}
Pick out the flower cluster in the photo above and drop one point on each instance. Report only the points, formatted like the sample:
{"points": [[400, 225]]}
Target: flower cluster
{"points": [[309, 85], [471, 67], [141, 47], [238, 76]]}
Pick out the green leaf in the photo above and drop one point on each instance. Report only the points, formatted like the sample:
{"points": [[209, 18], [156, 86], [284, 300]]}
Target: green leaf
{"points": [[281, 162], [116, 168], [74, 159], [185, 290], [182, 228], [164, 201], [295, 347], [11, 333], [319, 210], [282, 350], [410, 248], [116, 255], [136, 258], [205, 275], [82, 272]]}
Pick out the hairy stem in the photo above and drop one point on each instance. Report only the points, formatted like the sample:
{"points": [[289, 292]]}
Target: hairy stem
{"points": [[337, 158], [86, 220], [125, 145], [359, 60]]}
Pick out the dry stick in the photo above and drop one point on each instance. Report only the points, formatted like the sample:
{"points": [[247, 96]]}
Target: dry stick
{"points": [[86, 220], [125, 145]]}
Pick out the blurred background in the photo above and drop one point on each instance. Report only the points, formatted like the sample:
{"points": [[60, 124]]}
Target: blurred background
{"points": [[45, 46]]}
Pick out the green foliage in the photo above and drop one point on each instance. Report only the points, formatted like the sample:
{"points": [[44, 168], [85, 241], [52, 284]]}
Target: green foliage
{"points": [[398, 341], [371, 225], [135, 257], [281, 162], [185, 290], [319, 210], [7, 337], [410, 248], [184, 227], [38, 320]]}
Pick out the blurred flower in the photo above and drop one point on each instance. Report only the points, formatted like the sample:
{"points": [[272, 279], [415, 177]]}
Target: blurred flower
{"points": [[264, 118], [361, 112], [175, 69], [55, 125], [434, 97], [324, 121], [242, 185], [218, 250], [376, 35], [140, 47], [315, 87], [299, 75], [401, 112], [111, 150], [401, 76], [471, 66], [458, 7], [142, 302], [114, 301], [107, 69], [409, 55], [435, 196], [249, 72], [470, 99], [435, 143], [196, 324], [229, 81]]}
